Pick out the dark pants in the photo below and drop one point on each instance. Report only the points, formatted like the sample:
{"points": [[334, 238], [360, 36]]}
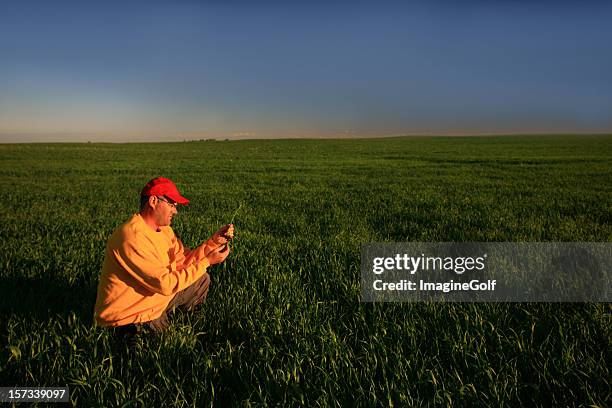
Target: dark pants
{"points": [[186, 299]]}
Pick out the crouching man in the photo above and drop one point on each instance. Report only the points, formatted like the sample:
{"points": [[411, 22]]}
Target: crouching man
{"points": [[147, 272]]}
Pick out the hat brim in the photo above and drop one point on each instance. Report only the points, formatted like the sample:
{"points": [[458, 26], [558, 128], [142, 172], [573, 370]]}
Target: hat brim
{"points": [[177, 198]]}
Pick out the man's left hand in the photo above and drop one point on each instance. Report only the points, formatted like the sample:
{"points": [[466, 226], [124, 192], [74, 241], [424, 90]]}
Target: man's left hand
{"points": [[224, 234]]}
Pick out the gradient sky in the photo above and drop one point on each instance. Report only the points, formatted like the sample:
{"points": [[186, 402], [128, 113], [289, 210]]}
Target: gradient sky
{"points": [[119, 71]]}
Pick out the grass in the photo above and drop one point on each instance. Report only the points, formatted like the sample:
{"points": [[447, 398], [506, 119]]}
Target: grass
{"points": [[283, 324]]}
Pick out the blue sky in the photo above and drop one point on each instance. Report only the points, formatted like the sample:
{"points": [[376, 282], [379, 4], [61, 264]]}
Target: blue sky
{"points": [[117, 71]]}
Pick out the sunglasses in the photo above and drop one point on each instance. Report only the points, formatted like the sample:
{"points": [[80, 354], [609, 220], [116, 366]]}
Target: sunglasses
{"points": [[164, 199]]}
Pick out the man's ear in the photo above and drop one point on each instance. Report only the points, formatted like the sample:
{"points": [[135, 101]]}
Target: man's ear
{"points": [[153, 202]]}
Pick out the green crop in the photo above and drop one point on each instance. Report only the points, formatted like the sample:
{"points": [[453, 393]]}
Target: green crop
{"points": [[283, 325]]}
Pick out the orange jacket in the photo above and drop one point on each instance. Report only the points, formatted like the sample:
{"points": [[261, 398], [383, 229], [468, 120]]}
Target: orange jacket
{"points": [[142, 271]]}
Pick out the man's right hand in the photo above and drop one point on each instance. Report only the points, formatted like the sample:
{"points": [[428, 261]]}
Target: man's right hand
{"points": [[218, 255]]}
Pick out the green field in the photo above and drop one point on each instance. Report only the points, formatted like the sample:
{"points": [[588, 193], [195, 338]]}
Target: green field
{"points": [[283, 324]]}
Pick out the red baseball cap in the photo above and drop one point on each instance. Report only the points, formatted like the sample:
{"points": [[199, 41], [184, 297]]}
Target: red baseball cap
{"points": [[163, 187]]}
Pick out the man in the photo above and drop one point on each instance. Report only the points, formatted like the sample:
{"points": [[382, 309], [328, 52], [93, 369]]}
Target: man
{"points": [[147, 272]]}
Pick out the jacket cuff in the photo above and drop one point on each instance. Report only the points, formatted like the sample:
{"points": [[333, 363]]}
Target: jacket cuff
{"points": [[203, 263]]}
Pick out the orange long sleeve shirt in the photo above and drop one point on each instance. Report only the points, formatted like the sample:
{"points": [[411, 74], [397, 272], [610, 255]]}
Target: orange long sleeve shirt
{"points": [[142, 271]]}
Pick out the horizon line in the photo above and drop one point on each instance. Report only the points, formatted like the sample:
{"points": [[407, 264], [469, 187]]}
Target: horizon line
{"points": [[339, 137]]}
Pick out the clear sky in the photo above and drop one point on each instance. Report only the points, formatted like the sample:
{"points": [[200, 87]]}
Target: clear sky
{"points": [[174, 70]]}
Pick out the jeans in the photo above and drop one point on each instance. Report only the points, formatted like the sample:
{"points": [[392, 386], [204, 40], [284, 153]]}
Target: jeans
{"points": [[186, 299]]}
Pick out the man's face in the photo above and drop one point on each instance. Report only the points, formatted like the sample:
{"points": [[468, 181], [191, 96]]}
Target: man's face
{"points": [[165, 209]]}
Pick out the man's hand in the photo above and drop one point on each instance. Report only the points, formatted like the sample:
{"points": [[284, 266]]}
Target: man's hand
{"points": [[224, 234], [218, 255]]}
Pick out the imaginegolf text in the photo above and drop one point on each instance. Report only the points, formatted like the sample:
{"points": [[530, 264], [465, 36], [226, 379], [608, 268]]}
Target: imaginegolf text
{"points": [[404, 284]]}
